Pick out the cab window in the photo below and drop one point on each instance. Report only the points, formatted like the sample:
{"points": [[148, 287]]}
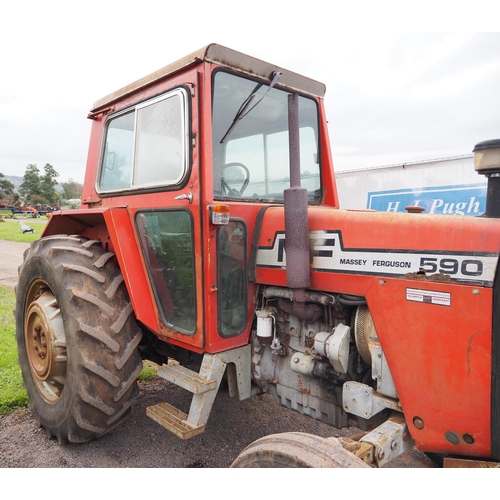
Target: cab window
{"points": [[147, 146], [250, 149], [168, 247]]}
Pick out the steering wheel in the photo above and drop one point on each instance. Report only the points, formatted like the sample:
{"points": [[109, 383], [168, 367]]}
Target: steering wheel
{"points": [[225, 186]]}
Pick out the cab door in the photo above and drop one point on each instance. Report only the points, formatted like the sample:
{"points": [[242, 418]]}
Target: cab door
{"points": [[250, 158], [151, 162]]}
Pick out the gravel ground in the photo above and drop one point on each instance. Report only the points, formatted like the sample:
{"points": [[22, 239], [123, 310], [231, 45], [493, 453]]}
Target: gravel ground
{"points": [[142, 443]]}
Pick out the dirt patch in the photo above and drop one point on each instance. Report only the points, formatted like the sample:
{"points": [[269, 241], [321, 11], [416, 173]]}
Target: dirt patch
{"points": [[11, 257], [141, 442]]}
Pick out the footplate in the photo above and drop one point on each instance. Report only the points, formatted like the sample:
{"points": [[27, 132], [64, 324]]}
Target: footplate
{"points": [[186, 378], [204, 386], [173, 420]]}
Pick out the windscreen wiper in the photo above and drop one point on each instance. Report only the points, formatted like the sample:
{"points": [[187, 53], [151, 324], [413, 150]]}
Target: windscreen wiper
{"points": [[242, 112]]}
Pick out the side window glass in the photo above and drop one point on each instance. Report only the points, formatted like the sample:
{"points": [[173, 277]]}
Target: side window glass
{"points": [[147, 146], [231, 252], [160, 155], [167, 245], [116, 172]]}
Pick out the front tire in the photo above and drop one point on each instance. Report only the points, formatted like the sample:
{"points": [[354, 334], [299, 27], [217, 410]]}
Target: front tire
{"points": [[296, 450], [77, 338]]}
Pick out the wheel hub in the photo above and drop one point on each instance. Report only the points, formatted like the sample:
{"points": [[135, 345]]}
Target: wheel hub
{"points": [[46, 346], [40, 342]]}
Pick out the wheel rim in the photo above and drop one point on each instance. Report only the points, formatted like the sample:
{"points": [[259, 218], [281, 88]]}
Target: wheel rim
{"points": [[45, 342]]}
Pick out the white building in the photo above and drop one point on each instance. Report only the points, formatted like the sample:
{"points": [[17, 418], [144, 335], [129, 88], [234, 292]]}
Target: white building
{"points": [[442, 186]]}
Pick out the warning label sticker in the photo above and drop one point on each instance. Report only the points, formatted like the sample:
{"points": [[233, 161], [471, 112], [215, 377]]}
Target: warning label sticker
{"points": [[428, 297]]}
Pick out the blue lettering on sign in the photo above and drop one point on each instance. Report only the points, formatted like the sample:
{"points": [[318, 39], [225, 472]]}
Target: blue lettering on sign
{"points": [[465, 199]]}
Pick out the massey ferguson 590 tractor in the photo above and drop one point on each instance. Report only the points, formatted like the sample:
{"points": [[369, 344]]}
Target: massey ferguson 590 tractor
{"points": [[211, 241]]}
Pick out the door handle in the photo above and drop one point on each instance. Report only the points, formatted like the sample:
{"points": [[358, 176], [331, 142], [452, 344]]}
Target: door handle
{"points": [[188, 197]]}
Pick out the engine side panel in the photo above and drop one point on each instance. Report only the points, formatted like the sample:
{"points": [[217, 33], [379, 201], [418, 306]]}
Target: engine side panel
{"points": [[434, 326]]}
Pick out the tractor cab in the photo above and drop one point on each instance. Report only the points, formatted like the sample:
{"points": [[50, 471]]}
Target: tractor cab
{"points": [[180, 164]]}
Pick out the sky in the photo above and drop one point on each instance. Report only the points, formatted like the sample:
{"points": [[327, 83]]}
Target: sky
{"points": [[393, 96]]}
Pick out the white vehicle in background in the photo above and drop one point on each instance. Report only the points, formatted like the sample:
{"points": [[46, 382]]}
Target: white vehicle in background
{"points": [[442, 186]]}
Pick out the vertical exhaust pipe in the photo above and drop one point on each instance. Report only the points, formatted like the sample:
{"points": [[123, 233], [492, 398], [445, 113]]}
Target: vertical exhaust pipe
{"points": [[298, 269], [296, 221]]}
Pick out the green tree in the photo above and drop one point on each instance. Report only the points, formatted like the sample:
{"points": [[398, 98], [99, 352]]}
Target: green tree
{"points": [[6, 187], [31, 182], [48, 183], [38, 199], [71, 189]]}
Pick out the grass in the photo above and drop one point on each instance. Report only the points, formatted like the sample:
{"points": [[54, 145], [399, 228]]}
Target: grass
{"points": [[12, 394], [10, 229], [149, 371]]}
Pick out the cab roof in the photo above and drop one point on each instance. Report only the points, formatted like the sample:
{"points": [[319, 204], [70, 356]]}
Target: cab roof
{"points": [[223, 56]]}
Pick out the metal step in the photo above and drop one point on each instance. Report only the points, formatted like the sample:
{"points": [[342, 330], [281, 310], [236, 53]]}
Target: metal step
{"points": [[204, 386], [186, 378], [173, 420]]}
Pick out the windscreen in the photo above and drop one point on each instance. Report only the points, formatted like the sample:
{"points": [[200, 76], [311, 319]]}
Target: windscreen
{"points": [[250, 140]]}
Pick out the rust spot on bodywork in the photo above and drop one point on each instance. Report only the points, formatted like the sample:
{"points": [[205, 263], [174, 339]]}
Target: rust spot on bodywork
{"points": [[440, 277], [420, 275]]}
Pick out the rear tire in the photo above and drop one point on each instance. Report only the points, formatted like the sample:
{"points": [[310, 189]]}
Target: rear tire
{"points": [[77, 338], [296, 450]]}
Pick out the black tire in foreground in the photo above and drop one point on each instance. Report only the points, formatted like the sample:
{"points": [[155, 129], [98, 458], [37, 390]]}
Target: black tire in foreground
{"points": [[296, 450], [77, 338]]}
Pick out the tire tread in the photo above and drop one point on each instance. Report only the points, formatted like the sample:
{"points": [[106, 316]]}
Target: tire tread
{"points": [[102, 336]]}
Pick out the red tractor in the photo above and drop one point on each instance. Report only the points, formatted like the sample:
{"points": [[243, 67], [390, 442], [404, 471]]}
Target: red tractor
{"points": [[210, 240]]}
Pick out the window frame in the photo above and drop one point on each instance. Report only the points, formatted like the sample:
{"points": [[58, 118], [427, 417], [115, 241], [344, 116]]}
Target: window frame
{"points": [[186, 123], [314, 197], [220, 287], [152, 279]]}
